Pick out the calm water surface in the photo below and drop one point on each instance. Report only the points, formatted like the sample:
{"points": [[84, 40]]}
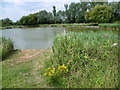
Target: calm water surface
{"points": [[32, 38]]}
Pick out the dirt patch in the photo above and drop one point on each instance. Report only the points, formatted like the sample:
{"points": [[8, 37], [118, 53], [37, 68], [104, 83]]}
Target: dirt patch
{"points": [[25, 55]]}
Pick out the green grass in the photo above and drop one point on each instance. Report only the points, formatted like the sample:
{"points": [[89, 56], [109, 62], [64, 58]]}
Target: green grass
{"points": [[67, 25], [14, 75], [80, 24], [113, 25], [27, 74], [91, 57], [6, 47], [44, 25]]}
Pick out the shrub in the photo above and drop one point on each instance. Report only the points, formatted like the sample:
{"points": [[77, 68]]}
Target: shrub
{"points": [[6, 47]]}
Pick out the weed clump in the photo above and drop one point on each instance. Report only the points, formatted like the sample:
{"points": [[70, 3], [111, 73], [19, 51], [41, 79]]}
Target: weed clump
{"points": [[6, 47]]}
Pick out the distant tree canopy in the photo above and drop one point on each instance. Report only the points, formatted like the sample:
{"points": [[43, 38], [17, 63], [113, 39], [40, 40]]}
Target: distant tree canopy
{"points": [[6, 22], [115, 10], [29, 20], [81, 12], [100, 14]]}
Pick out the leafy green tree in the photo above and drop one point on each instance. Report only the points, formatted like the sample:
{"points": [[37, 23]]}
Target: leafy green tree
{"points": [[75, 12], [44, 17], [6, 22], [116, 10], [82, 7], [23, 20], [16, 23], [31, 19], [67, 14], [100, 14], [61, 16], [54, 11], [55, 14]]}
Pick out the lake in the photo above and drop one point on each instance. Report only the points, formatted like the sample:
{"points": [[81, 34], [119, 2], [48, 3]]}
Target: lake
{"points": [[32, 38]]}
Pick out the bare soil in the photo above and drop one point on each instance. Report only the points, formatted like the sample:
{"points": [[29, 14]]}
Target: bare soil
{"points": [[25, 55]]}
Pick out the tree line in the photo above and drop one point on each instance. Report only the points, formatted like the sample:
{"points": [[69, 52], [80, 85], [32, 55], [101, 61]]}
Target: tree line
{"points": [[82, 12]]}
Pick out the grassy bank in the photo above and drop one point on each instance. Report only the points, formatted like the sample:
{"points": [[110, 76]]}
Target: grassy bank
{"points": [[17, 72], [78, 60], [83, 60], [110, 26], [102, 25], [6, 48], [49, 25]]}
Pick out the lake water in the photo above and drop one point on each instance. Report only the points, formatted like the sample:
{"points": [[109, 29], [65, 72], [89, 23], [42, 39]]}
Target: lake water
{"points": [[32, 38]]}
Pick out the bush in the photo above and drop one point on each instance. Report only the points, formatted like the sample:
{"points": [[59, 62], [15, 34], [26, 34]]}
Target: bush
{"points": [[6, 47], [89, 58]]}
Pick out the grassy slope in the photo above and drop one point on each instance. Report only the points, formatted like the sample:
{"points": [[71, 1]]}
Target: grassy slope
{"points": [[25, 74], [29, 74]]}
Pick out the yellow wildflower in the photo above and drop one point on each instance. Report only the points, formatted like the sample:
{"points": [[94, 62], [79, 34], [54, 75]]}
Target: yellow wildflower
{"points": [[62, 68], [49, 74], [49, 71]]}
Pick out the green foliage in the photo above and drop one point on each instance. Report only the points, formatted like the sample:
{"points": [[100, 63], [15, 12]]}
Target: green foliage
{"points": [[82, 12], [117, 22], [115, 10], [106, 25], [75, 12], [44, 17], [100, 14], [18, 75], [29, 20], [26, 74], [91, 58], [54, 11], [6, 47], [53, 25], [6, 22]]}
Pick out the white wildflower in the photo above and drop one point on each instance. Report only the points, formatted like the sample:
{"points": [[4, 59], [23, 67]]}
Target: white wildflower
{"points": [[114, 44]]}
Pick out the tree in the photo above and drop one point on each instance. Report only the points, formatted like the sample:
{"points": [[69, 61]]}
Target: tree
{"points": [[100, 14], [54, 11], [67, 14], [44, 17], [75, 12], [6, 22], [82, 7], [31, 19], [115, 10], [61, 16]]}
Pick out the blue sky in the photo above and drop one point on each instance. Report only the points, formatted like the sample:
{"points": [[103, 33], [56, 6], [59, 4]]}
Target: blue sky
{"points": [[15, 9]]}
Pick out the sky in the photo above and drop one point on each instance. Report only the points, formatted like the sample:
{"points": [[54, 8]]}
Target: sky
{"points": [[15, 9]]}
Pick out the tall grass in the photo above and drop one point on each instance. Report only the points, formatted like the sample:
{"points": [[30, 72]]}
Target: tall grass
{"points": [[91, 59], [6, 47]]}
